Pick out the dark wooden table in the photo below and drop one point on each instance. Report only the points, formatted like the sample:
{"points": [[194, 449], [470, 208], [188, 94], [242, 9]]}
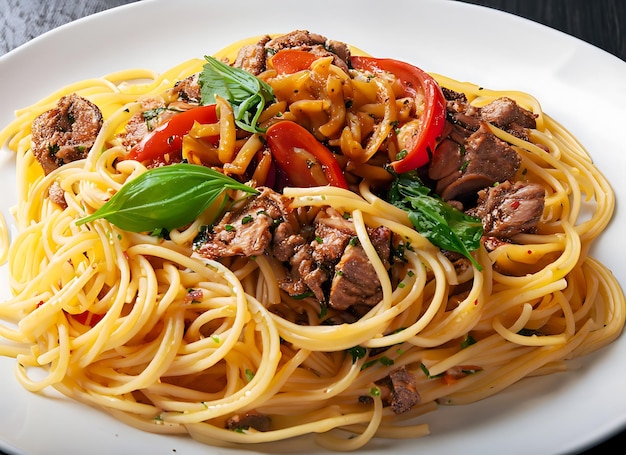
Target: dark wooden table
{"points": [[599, 22]]}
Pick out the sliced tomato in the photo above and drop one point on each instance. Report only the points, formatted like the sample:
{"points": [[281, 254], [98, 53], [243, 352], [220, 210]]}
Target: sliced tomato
{"points": [[414, 81], [167, 139], [289, 61], [305, 161]]}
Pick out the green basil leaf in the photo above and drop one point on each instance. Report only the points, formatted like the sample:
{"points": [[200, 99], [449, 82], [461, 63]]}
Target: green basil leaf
{"points": [[165, 197], [247, 94], [442, 224]]}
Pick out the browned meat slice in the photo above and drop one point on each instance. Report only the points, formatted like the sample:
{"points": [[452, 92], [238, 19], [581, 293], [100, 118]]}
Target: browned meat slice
{"points": [[247, 232], [398, 390], [286, 241], [510, 208], [487, 160], [503, 112], [253, 58], [355, 281], [251, 419], [332, 235], [447, 159], [306, 274], [320, 258], [139, 125], [312, 252], [65, 133], [506, 114], [188, 90], [460, 111], [404, 390]]}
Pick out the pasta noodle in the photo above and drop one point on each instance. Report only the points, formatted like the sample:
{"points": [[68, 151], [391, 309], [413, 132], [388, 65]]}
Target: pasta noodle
{"points": [[173, 342]]}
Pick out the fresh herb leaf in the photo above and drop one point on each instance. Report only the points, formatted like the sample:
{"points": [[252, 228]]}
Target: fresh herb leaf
{"points": [[427, 372], [442, 224], [247, 94], [467, 341], [357, 352], [165, 197]]}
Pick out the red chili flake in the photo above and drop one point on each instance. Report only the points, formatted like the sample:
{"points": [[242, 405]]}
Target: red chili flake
{"points": [[515, 204], [530, 251], [87, 318]]}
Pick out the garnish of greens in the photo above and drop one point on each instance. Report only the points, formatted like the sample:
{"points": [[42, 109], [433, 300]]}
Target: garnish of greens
{"points": [[443, 225], [247, 94], [165, 197]]}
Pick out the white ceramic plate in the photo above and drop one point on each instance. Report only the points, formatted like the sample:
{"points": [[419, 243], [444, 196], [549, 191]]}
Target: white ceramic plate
{"points": [[581, 86]]}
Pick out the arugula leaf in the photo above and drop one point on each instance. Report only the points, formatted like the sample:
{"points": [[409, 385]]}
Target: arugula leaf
{"points": [[442, 224], [246, 93], [165, 197]]}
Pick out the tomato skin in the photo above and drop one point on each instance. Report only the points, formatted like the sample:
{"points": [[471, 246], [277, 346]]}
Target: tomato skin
{"points": [[432, 122], [167, 139], [289, 61], [285, 138], [87, 318]]}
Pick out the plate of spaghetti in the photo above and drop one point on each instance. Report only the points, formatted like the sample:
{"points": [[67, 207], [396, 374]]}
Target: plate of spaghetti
{"points": [[268, 231]]}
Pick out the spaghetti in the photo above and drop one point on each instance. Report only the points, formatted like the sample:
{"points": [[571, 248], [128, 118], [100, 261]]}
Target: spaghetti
{"points": [[171, 341]]}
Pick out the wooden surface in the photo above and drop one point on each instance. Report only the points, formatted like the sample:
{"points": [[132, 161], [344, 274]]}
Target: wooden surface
{"points": [[599, 22]]}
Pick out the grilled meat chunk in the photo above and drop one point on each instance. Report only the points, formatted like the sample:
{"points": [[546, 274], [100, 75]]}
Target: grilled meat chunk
{"points": [[355, 281], [66, 132], [486, 160], [321, 258], [188, 90], [509, 208], [247, 232], [251, 419], [398, 390]]}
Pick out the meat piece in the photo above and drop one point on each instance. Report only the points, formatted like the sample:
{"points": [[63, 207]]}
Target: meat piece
{"points": [[460, 111], [404, 393], [143, 122], [188, 90], [506, 114], [510, 208], [355, 281], [503, 112], [381, 239], [320, 258], [248, 231], [65, 133], [398, 390], [251, 419], [487, 160], [296, 39], [308, 272], [332, 235], [447, 159], [253, 58], [286, 241]]}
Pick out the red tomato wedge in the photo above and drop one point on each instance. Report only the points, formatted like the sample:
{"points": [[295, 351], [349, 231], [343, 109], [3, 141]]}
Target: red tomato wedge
{"points": [[289, 61], [413, 80], [305, 161], [168, 137]]}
